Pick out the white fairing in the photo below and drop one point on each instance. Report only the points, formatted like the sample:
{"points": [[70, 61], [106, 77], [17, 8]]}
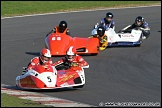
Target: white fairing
{"points": [[112, 36], [134, 36], [49, 78], [82, 76], [85, 66]]}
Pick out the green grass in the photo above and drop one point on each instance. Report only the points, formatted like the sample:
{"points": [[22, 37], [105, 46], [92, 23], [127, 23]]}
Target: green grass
{"points": [[13, 101], [12, 8]]}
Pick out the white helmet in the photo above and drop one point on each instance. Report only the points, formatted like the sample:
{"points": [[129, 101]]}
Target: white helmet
{"points": [[70, 53], [45, 55]]}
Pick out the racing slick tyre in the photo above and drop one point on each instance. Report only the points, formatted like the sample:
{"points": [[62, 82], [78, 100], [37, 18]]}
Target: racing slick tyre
{"points": [[78, 81], [94, 54], [81, 86], [138, 45]]}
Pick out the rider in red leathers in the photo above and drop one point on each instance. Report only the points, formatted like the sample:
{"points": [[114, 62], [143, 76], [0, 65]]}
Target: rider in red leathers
{"points": [[43, 59], [72, 58]]}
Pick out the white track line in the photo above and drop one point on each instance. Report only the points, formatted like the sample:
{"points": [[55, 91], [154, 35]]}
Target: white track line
{"points": [[41, 98], [76, 11]]}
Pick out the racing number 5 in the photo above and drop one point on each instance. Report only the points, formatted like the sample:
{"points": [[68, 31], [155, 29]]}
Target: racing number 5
{"points": [[49, 79]]}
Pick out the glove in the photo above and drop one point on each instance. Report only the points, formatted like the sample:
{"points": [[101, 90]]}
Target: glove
{"points": [[90, 36], [95, 26], [141, 29], [45, 66], [102, 41], [94, 35], [74, 64]]}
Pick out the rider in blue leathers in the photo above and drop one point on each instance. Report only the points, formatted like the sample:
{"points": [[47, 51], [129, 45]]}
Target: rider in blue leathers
{"points": [[106, 22], [139, 24]]}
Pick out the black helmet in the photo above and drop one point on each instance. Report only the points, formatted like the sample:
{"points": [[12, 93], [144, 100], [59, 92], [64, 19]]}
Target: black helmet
{"points": [[62, 26], [109, 15], [100, 31], [139, 19]]}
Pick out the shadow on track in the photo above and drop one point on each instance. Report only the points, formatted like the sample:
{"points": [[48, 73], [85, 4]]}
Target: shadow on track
{"points": [[38, 54], [123, 46], [33, 53], [40, 90]]}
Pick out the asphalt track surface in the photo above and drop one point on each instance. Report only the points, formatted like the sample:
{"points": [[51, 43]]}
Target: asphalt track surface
{"points": [[118, 74]]}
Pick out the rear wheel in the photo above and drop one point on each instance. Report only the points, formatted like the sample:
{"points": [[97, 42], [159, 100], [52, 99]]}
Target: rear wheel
{"points": [[138, 45], [94, 54]]}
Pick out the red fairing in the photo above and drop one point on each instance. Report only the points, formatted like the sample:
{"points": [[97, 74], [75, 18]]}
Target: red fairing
{"points": [[66, 76], [46, 77], [58, 43], [43, 68]]}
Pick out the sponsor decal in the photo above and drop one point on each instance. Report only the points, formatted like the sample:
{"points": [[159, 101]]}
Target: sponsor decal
{"points": [[56, 38], [64, 84], [127, 35], [27, 82], [67, 78]]}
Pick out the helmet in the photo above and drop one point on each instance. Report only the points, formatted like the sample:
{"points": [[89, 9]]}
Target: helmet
{"points": [[139, 21], [45, 55], [70, 53], [100, 31], [109, 16], [62, 26]]}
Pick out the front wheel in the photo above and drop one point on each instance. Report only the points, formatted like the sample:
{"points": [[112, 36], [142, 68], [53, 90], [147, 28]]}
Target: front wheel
{"points": [[81, 86]]}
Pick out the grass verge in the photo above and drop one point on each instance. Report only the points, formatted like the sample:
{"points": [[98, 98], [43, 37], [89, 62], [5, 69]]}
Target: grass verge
{"points": [[13, 101], [14, 8]]}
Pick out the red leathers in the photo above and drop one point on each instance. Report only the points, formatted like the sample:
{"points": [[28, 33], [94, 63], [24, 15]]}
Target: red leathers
{"points": [[72, 57], [44, 59], [37, 61]]}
